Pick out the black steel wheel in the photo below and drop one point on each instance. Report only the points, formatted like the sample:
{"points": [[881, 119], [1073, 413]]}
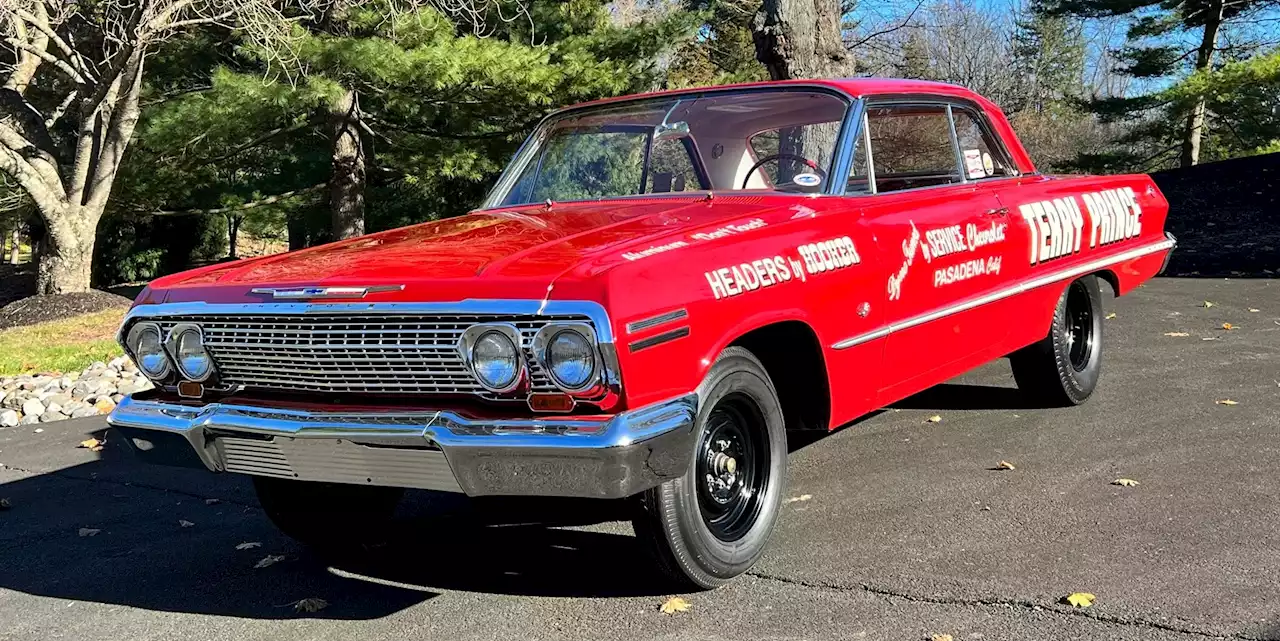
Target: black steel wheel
{"points": [[713, 523], [1063, 368]]}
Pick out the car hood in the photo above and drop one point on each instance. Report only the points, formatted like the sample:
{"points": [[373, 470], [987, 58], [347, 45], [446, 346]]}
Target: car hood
{"points": [[509, 253]]}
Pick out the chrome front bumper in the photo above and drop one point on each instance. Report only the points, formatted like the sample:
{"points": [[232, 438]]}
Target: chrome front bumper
{"points": [[590, 456]]}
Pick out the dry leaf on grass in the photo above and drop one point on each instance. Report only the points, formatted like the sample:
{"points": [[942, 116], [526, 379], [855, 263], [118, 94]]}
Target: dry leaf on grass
{"points": [[185, 523], [268, 561], [1110, 316], [802, 497], [1226, 401], [313, 604], [933, 419], [89, 531], [673, 605], [1079, 599], [248, 545], [941, 637], [1228, 326], [1004, 465], [1124, 482], [1208, 304], [1176, 334]]}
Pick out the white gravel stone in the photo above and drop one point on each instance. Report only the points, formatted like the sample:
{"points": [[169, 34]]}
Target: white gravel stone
{"points": [[82, 412], [28, 419], [50, 416], [8, 418], [32, 407]]}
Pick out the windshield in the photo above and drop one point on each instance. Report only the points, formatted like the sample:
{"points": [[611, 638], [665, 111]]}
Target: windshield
{"points": [[780, 140]]}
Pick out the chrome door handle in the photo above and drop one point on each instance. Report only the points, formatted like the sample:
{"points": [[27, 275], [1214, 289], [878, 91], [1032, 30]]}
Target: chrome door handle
{"points": [[1000, 211]]}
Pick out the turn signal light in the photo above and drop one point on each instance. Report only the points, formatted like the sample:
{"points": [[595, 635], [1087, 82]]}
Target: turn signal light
{"points": [[550, 402], [190, 389]]}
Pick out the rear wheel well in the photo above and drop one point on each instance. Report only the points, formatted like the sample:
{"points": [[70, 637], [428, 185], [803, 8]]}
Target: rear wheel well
{"points": [[792, 356], [1109, 277]]}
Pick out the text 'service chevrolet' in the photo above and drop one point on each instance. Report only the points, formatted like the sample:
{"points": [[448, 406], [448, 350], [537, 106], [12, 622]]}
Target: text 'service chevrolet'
{"points": [[657, 291]]}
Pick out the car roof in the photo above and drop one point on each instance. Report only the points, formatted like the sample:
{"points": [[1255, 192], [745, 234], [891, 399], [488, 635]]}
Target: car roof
{"points": [[855, 87]]}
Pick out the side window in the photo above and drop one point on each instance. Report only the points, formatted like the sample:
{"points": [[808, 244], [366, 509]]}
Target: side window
{"points": [[802, 151], [671, 167], [910, 148], [983, 155]]}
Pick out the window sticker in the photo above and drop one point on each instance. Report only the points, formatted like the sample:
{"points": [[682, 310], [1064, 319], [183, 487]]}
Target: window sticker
{"points": [[988, 165], [973, 163], [806, 180]]}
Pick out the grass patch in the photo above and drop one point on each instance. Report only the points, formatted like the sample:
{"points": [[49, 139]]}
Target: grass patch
{"points": [[62, 345]]}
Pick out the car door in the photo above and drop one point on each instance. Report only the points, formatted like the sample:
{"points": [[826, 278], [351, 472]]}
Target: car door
{"points": [[940, 235]]}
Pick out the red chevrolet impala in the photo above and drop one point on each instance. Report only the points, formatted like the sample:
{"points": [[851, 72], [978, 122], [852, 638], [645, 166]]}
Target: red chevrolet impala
{"points": [[658, 290]]}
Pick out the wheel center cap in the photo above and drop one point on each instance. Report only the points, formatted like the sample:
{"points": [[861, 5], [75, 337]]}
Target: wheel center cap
{"points": [[723, 465]]}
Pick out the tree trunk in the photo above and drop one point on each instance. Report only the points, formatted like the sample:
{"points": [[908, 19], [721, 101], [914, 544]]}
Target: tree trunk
{"points": [[801, 39], [13, 252], [66, 257], [1204, 60], [233, 231], [346, 186]]}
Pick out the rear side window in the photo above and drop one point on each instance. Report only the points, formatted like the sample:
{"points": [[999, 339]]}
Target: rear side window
{"points": [[910, 148], [982, 154]]}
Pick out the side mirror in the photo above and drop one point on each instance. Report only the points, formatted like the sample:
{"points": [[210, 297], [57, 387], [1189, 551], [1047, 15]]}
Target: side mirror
{"points": [[671, 131]]}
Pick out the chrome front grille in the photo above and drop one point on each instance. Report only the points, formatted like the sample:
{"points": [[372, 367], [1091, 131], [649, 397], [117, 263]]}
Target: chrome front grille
{"points": [[353, 353]]}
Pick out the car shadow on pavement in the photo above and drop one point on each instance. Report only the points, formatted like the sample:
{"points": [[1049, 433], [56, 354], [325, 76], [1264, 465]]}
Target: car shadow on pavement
{"points": [[961, 396], [116, 531]]}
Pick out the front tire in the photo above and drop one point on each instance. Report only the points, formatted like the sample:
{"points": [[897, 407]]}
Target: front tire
{"points": [[1063, 368], [330, 516], [713, 523]]}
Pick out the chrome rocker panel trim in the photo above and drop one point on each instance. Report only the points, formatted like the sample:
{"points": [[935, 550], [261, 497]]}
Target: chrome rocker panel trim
{"points": [[592, 456]]}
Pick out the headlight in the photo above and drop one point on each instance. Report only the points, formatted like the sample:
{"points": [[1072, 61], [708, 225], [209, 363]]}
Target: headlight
{"points": [[186, 345], [491, 352], [567, 351], [571, 359], [145, 343]]}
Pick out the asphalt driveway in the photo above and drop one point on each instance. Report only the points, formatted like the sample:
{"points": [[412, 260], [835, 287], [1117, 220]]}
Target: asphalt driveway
{"points": [[898, 528]]}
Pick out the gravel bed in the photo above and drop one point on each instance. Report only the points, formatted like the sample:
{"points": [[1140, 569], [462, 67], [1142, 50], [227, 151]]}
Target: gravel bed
{"points": [[40, 398]]}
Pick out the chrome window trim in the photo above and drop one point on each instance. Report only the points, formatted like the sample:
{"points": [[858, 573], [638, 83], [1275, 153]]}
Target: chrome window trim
{"points": [[467, 344], [955, 146], [550, 331], [846, 142], [1001, 294], [171, 347]]}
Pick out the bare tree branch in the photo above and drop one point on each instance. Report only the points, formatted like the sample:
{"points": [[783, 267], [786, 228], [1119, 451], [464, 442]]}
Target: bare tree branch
{"points": [[269, 200]]}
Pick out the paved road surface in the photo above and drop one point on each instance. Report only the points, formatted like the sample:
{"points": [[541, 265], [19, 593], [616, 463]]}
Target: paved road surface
{"points": [[907, 534]]}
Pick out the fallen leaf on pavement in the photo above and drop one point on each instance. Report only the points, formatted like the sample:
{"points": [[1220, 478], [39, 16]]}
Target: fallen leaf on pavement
{"points": [[802, 497], [1124, 482], [673, 605], [185, 523], [1209, 338], [313, 604], [1208, 304], [933, 419], [268, 561], [1110, 316], [89, 531], [1226, 401], [1079, 599], [5, 504], [1004, 465], [212, 501], [92, 444], [940, 637], [1228, 326], [248, 545], [1176, 334], [1254, 310]]}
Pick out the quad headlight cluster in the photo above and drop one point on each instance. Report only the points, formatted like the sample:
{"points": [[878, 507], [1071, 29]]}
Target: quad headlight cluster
{"points": [[567, 352], [158, 354]]}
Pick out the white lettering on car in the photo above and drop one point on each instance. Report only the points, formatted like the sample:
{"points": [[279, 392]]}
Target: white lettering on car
{"points": [[909, 255], [951, 240], [1058, 226], [816, 258], [966, 270]]}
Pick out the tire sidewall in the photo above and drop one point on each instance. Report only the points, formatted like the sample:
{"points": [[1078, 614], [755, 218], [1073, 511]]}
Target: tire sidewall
{"points": [[1078, 385], [707, 560]]}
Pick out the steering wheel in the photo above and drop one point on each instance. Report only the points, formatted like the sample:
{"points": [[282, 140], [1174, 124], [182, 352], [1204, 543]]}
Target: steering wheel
{"points": [[772, 157]]}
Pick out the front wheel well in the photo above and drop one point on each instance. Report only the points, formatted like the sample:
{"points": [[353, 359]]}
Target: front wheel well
{"points": [[792, 356]]}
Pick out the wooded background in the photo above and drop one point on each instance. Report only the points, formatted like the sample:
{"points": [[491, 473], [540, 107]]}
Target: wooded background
{"points": [[139, 137]]}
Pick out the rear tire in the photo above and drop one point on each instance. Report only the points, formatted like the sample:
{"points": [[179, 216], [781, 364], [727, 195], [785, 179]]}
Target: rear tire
{"points": [[1063, 368], [332, 516], [713, 523]]}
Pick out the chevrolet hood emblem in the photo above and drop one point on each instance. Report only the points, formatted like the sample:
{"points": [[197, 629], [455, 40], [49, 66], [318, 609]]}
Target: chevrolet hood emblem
{"points": [[312, 293]]}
